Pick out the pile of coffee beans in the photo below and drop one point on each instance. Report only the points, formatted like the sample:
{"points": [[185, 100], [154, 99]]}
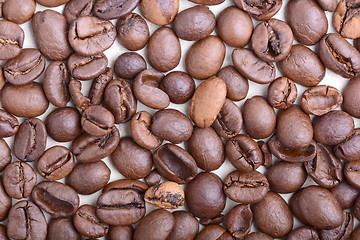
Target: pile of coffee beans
{"points": [[122, 119]]}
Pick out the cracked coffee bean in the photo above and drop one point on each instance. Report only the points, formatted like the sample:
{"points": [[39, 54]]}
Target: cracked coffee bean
{"points": [[98, 86], [282, 93], [167, 195], [349, 149], [260, 10], [113, 9], [346, 17], [87, 67], [97, 121], [80, 101], [342, 232], [77, 8], [238, 220], [11, 40], [9, 124]]}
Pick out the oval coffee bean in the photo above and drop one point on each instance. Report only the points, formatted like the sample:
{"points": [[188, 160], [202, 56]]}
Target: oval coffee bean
{"points": [[87, 67], [80, 101], [12, 38], [267, 157], [303, 232], [121, 232], [55, 163], [345, 18], [238, 220], [351, 100], [113, 9], [179, 86], [9, 124], [341, 232], [5, 202], [186, 226], [261, 10], [282, 93], [97, 121], [135, 185], [351, 172], [345, 194], [349, 150], [167, 195], [56, 198], [77, 8], [236, 85], [159, 13], [62, 228], [129, 64], [356, 208], [153, 178], [214, 231], [98, 86]]}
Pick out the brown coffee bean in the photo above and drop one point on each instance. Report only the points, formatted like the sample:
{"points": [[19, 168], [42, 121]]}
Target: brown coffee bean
{"points": [[5, 203], [341, 232], [5, 154], [153, 178], [261, 10], [61, 229], [9, 124], [345, 194], [77, 8], [51, 3], [16, 14], [98, 86], [12, 37], [282, 93], [120, 232], [179, 86], [129, 64], [186, 226], [168, 195], [214, 231], [135, 185], [236, 85], [80, 101], [345, 19], [349, 150], [351, 172], [267, 157], [303, 232], [97, 121], [238, 220], [113, 9], [258, 236], [87, 67], [159, 13], [351, 100]]}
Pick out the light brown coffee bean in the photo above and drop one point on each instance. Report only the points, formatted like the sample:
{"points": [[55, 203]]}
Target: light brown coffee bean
{"points": [[167, 195]]}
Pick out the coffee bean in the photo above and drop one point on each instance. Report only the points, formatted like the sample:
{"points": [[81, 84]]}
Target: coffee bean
{"points": [[88, 224], [194, 23], [133, 32], [202, 68], [19, 179], [88, 178], [348, 150], [236, 85], [356, 208], [153, 178], [341, 232], [52, 3], [351, 99], [120, 232], [80, 101], [87, 31], [252, 67], [9, 124], [112, 9], [282, 93], [135, 185], [179, 86], [32, 103], [56, 198], [258, 236], [5, 202], [303, 232], [167, 195], [55, 163], [345, 194], [267, 157], [159, 13], [132, 160], [87, 67], [77, 8], [214, 231], [272, 40], [260, 10], [56, 84], [120, 100], [12, 38], [89, 148], [120, 207], [345, 19], [12, 12], [246, 187], [351, 172], [98, 86], [97, 121], [30, 140], [61, 229], [208, 221], [174, 163], [186, 226], [238, 220], [26, 221], [129, 64]]}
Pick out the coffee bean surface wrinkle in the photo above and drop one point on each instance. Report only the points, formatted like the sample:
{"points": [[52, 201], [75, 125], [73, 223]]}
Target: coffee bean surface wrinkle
{"points": [[9, 124], [238, 220], [346, 17], [12, 39], [168, 195], [62, 229], [303, 232], [113, 9], [159, 12], [345, 194], [98, 86], [77, 8], [97, 121], [129, 64], [16, 14], [87, 67], [282, 93], [5, 203], [351, 173]]}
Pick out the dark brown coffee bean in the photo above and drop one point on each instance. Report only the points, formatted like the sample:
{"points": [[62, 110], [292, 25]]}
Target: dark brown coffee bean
{"points": [[236, 85], [133, 32], [174, 163], [80, 101], [345, 194], [204, 196], [87, 178], [282, 93], [87, 67], [120, 100], [135, 185], [5, 203], [32, 103], [16, 14], [214, 231], [147, 91], [342, 232], [56, 198], [56, 163], [54, 44], [252, 67], [77, 8], [159, 13], [26, 221], [120, 232], [112, 9], [238, 220], [339, 55], [272, 40], [120, 207], [12, 38], [349, 150], [352, 174], [303, 66], [97, 121], [89, 148], [56, 84], [62, 229], [345, 19], [51, 3], [304, 233], [30, 140], [98, 86], [194, 23], [261, 10], [267, 157], [179, 86], [167, 195], [351, 100], [87, 31], [243, 153], [246, 187], [129, 64], [88, 224], [202, 68], [258, 236], [186, 226], [9, 124], [285, 177], [153, 178]]}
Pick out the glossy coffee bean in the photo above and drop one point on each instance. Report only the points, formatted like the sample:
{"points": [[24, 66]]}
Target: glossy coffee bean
{"points": [[258, 236], [341, 232], [351, 173], [11, 33], [179, 86], [12, 12], [345, 194], [186, 226], [5, 202], [113, 9], [214, 231], [120, 232], [238, 220], [345, 19], [9, 124], [87, 67], [62, 229], [351, 99], [97, 121], [159, 13], [129, 64], [236, 85], [80, 101], [153, 178], [77, 8], [282, 93], [167, 195], [98, 86], [260, 10], [303, 232], [135, 185]]}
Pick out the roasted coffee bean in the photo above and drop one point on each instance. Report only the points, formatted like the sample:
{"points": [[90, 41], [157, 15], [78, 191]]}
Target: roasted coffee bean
{"points": [[214, 231], [63, 124], [285, 177], [135, 185], [147, 91], [3, 234], [243, 153], [87, 178], [55, 163], [88, 148], [129, 64], [282, 93], [246, 187], [80, 101], [88, 224], [349, 150], [56, 84], [238, 220], [132, 160], [120, 100], [54, 44], [62, 229], [12, 39], [164, 49], [207, 101], [339, 55], [153, 178], [51, 3], [87, 67], [98, 86], [345, 194], [97, 121], [351, 97], [56, 198], [159, 13], [112, 9], [328, 5], [16, 14], [303, 232], [342, 232], [32, 103], [236, 85], [258, 236], [317, 207], [9, 124], [267, 157], [186, 226], [260, 10], [77, 8], [133, 32], [120, 207], [26, 221], [30, 140], [351, 172], [140, 130], [272, 40], [303, 66], [167, 195], [120, 232], [194, 23], [199, 67], [174, 163], [345, 19], [179, 86], [252, 67], [87, 31], [5, 203]]}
